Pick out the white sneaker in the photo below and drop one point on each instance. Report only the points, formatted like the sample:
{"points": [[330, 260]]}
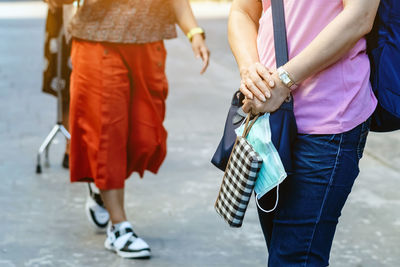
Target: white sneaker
{"points": [[97, 215], [126, 243]]}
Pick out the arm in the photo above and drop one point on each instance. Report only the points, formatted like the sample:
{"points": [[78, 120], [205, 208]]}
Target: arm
{"points": [[336, 40], [186, 21], [332, 43], [242, 34]]}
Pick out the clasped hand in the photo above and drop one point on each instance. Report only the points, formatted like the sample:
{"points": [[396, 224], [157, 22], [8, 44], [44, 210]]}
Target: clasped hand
{"points": [[269, 91]]}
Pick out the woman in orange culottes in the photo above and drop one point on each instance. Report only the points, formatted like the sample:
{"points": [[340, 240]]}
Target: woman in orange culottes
{"points": [[117, 126], [118, 93]]}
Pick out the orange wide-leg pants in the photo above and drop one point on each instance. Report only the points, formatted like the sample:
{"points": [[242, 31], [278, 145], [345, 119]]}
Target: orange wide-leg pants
{"points": [[118, 94]]}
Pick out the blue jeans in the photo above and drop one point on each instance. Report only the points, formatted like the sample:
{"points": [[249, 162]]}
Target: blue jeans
{"points": [[301, 230]]}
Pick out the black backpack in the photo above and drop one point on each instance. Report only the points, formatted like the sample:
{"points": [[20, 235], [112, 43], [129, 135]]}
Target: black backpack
{"points": [[384, 54]]}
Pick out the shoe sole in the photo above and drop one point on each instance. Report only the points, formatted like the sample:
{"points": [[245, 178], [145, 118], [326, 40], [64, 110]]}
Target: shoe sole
{"points": [[96, 227], [143, 254]]}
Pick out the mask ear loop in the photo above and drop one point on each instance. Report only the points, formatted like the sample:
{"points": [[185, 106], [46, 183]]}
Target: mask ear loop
{"points": [[276, 202]]}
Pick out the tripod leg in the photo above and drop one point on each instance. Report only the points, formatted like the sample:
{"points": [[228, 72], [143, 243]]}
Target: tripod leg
{"points": [[60, 86], [38, 165], [45, 146], [65, 132]]}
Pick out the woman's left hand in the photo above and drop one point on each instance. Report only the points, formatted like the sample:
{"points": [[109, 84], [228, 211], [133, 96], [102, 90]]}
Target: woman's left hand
{"points": [[279, 94], [200, 50]]}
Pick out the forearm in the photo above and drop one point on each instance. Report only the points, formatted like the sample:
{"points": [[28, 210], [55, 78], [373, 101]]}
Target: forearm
{"points": [[184, 15], [242, 35], [334, 42]]}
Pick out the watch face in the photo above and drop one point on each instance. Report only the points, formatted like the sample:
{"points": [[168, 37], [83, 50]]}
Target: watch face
{"points": [[285, 79]]}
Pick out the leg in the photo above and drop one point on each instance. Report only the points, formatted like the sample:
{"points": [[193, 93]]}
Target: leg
{"points": [[312, 198], [114, 203], [96, 213], [266, 219], [147, 135], [100, 93]]}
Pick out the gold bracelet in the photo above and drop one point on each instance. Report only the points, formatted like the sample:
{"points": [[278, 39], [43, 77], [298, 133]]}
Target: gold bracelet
{"points": [[194, 31]]}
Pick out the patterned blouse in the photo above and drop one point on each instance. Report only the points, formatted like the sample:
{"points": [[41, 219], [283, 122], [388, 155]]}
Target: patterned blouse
{"points": [[124, 21]]}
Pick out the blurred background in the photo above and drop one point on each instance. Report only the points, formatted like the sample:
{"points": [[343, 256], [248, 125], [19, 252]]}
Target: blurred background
{"points": [[42, 218]]}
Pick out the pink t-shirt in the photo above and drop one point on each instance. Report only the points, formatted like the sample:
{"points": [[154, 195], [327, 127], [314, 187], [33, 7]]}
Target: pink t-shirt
{"points": [[335, 100]]}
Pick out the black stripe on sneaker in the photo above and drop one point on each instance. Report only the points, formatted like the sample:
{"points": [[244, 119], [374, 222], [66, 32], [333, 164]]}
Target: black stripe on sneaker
{"points": [[127, 249], [125, 231], [101, 225], [96, 197], [130, 230]]}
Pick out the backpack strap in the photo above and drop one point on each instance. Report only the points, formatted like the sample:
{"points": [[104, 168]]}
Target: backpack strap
{"points": [[280, 39]]}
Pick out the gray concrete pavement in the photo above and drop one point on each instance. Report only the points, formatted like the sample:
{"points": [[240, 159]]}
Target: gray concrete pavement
{"points": [[42, 216]]}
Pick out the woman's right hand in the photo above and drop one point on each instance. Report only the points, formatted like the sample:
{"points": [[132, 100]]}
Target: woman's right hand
{"points": [[256, 81]]}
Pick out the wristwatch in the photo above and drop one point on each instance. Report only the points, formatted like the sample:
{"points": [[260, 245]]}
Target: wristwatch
{"points": [[286, 79]]}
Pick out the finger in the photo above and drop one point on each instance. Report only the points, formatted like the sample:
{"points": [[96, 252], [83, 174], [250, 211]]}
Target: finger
{"points": [[247, 106], [254, 89], [245, 91], [260, 83], [256, 111], [205, 55], [266, 75]]}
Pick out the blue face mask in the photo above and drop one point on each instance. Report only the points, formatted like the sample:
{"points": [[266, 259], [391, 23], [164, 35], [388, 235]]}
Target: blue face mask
{"points": [[272, 172]]}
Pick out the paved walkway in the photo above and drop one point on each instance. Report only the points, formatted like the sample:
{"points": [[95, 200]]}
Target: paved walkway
{"points": [[42, 217]]}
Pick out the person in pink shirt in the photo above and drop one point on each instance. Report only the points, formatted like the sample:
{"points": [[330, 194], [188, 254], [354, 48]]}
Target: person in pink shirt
{"points": [[328, 77]]}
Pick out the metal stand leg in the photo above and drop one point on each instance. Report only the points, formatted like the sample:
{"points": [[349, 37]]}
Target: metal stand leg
{"points": [[65, 132], [45, 146], [60, 85]]}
